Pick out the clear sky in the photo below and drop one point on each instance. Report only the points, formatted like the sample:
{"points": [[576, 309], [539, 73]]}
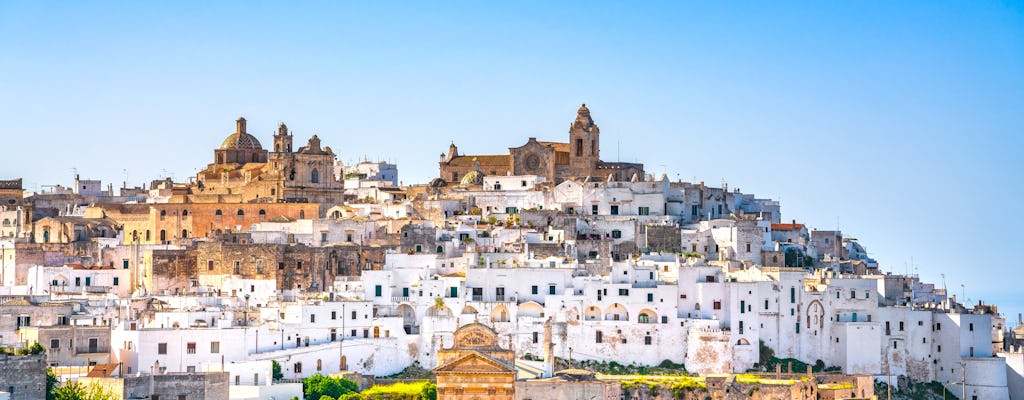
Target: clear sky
{"points": [[900, 122]]}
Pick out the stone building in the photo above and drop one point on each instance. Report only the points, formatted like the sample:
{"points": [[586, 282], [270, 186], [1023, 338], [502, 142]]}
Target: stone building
{"points": [[73, 229], [15, 214], [189, 386], [555, 161], [243, 172], [165, 223], [475, 367], [290, 266], [68, 345], [18, 313], [23, 377]]}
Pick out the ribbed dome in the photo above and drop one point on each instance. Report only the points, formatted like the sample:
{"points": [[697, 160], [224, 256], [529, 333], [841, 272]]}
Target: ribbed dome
{"points": [[241, 140]]}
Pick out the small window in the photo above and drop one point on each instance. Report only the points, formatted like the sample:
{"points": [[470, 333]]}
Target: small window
{"points": [[161, 348], [190, 348], [533, 289], [598, 337], [718, 305], [214, 347]]}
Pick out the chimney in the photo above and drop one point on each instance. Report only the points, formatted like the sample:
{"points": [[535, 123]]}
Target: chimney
{"points": [[549, 356], [1019, 320]]}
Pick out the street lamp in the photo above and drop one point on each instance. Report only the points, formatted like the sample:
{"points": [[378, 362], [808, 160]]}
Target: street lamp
{"points": [[246, 312]]}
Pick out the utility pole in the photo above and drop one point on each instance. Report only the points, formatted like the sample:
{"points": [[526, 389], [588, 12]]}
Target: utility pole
{"points": [[341, 341], [888, 378], [963, 380]]}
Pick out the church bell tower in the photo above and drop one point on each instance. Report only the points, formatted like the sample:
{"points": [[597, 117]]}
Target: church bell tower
{"points": [[584, 143], [282, 140]]}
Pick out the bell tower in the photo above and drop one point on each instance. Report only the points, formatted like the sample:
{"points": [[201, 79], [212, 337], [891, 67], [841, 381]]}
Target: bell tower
{"points": [[282, 140], [584, 143]]}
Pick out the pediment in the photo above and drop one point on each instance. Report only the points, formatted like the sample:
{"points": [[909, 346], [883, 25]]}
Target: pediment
{"points": [[532, 144], [474, 362], [475, 336]]}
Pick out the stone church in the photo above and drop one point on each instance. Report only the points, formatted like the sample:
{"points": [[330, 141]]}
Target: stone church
{"points": [[476, 367], [556, 161], [243, 172]]}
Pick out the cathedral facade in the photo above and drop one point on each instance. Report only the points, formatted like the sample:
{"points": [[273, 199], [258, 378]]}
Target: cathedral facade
{"points": [[243, 172], [557, 161]]}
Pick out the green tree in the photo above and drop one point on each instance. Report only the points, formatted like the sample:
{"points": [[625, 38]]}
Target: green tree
{"points": [[326, 397], [319, 385], [52, 383], [429, 392], [275, 368], [77, 391]]}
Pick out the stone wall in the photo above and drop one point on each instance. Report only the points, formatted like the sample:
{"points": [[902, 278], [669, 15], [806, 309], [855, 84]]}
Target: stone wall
{"points": [[417, 235], [663, 238], [24, 377]]}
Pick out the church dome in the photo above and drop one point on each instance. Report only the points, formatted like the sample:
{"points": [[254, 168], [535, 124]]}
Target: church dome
{"points": [[241, 140]]}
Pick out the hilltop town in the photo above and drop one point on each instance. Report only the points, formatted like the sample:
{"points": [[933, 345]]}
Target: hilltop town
{"points": [[543, 273]]}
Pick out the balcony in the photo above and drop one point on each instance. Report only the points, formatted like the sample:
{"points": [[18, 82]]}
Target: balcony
{"points": [[399, 299], [97, 289]]}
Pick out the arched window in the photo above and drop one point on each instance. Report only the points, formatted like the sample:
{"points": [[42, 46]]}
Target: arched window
{"points": [[440, 249], [302, 214], [7, 222], [263, 215], [314, 176], [147, 235], [163, 236], [184, 234], [241, 214], [184, 213], [217, 215]]}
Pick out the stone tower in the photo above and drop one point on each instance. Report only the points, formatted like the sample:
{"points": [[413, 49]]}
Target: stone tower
{"points": [[282, 139], [584, 144]]}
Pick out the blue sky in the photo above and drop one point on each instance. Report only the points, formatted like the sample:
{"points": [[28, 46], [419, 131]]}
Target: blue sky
{"points": [[899, 121]]}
